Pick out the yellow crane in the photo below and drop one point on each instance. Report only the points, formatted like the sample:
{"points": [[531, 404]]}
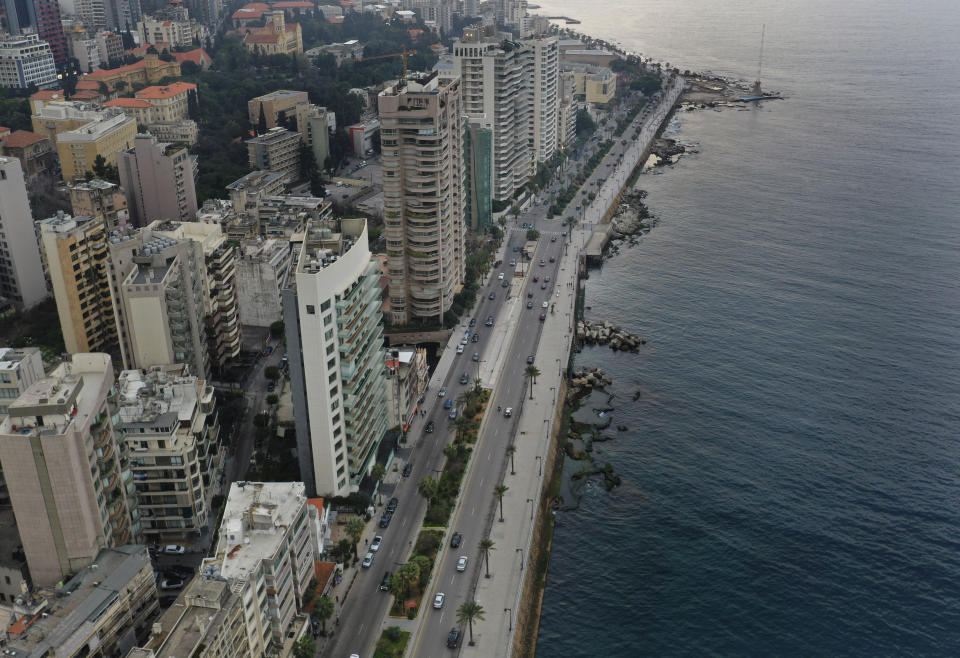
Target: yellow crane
{"points": [[403, 54]]}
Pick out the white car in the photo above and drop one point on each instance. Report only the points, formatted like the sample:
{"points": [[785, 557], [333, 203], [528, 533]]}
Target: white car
{"points": [[465, 340], [442, 392], [545, 304], [438, 600], [459, 349], [508, 412], [174, 549], [375, 544], [367, 560], [462, 563]]}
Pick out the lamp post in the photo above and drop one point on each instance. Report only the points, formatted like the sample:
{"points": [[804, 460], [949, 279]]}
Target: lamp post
{"points": [[530, 500], [510, 617], [539, 466], [520, 551], [554, 389], [559, 367]]}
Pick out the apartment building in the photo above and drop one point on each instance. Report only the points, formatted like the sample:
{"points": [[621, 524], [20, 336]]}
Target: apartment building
{"points": [[75, 250], [276, 150], [158, 179], [168, 420], [423, 187], [313, 124], [592, 84], [52, 114], [273, 104], [98, 612], [38, 18], [19, 368], [78, 149], [35, 153], [83, 48], [170, 102], [246, 192], [21, 272], [567, 110], [407, 379], [544, 62], [332, 316], [100, 198], [174, 33], [25, 60], [262, 268], [66, 470]]}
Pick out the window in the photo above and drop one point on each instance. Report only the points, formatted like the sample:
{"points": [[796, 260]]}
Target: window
{"points": [[311, 310], [325, 306], [328, 334], [327, 320], [332, 362], [332, 378], [334, 391], [330, 349], [334, 406]]}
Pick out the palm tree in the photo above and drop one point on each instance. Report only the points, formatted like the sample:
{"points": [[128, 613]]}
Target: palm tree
{"points": [[323, 610], [511, 449], [532, 372], [379, 471], [409, 574], [428, 488], [462, 423], [498, 491], [486, 545], [398, 588], [467, 613], [477, 385], [355, 528]]}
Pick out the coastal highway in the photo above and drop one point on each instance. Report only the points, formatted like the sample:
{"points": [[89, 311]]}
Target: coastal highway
{"points": [[363, 611]]}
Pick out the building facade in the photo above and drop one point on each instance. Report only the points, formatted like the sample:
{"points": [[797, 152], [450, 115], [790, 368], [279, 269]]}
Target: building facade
{"points": [[272, 104], [21, 272], [78, 149], [423, 188], [333, 327], [262, 268], [99, 197], [25, 60], [158, 179], [66, 471], [276, 150]]}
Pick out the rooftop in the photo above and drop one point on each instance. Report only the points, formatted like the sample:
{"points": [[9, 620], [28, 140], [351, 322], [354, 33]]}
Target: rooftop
{"points": [[63, 223], [96, 129], [280, 93], [159, 400], [127, 102], [166, 91], [10, 358], [21, 139]]}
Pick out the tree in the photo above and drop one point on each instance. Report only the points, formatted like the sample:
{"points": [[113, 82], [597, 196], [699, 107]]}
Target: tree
{"points": [[323, 610], [273, 374], [486, 545], [409, 574], [276, 328], [379, 471], [424, 563], [427, 488], [511, 449], [355, 528], [398, 588], [193, 105], [462, 424], [498, 491], [305, 647], [467, 613], [262, 122], [532, 372], [345, 548], [272, 399]]}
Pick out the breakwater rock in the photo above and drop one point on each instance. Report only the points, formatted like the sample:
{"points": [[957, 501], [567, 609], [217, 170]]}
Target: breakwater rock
{"points": [[632, 216], [586, 379], [604, 333]]}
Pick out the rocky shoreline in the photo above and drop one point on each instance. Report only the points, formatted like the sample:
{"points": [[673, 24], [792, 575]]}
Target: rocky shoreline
{"points": [[604, 333]]}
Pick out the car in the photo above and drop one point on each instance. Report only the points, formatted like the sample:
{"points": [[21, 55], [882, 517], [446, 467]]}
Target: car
{"points": [[375, 544], [462, 563], [553, 238], [174, 549], [464, 379], [448, 404], [465, 340], [489, 321], [476, 356], [543, 286], [475, 338], [453, 638], [529, 295], [542, 263], [553, 260], [155, 549], [367, 560], [547, 278], [505, 284], [385, 581], [268, 351], [429, 428], [473, 322], [513, 262], [508, 412], [530, 359], [438, 600], [536, 278], [452, 415], [545, 305], [271, 387], [516, 249], [392, 505], [492, 295], [500, 276], [564, 234], [459, 349], [171, 583], [442, 393], [408, 469], [385, 519], [455, 540], [524, 225], [529, 304], [543, 316]]}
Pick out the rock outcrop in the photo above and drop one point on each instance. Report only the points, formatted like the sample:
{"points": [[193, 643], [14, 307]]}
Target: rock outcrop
{"points": [[604, 333]]}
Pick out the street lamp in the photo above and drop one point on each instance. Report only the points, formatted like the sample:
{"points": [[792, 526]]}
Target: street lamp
{"points": [[530, 500], [554, 389], [539, 466], [520, 551], [510, 617]]}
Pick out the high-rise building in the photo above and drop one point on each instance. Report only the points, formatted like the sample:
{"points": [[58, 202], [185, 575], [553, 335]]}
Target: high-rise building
{"points": [[544, 60], [496, 81], [158, 179], [40, 16], [66, 471], [21, 272], [314, 128], [75, 249], [168, 420], [567, 108], [100, 197], [26, 61], [19, 368], [276, 150], [272, 105], [477, 172], [334, 336], [421, 132]]}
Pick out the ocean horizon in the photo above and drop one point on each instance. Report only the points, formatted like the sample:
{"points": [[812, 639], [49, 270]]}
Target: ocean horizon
{"points": [[790, 469]]}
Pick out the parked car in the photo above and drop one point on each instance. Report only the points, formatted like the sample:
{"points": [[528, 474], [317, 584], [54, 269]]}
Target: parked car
{"points": [[545, 305], [438, 600], [500, 276], [367, 560], [271, 387], [455, 540], [392, 505], [513, 262], [473, 322], [529, 304], [174, 549], [448, 403], [459, 349], [543, 316], [171, 583], [408, 469], [464, 378], [375, 544], [385, 519], [530, 359], [542, 263], [268, 351], [516, 249], [462, 563], [553, 260], [465, 339], [505, 284], [442, 392], [489, 321], [492, 295], [547, 278], [453, 638], [475, 338], [476, 356], [452, 415], [543, 286], [536, 278], [385, 581]]}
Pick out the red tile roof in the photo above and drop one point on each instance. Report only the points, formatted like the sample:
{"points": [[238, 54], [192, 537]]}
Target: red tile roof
{"points": [[4, 130], [21, 138], [85, 95], [252, 10], [168, 91], [127, 102], [292, 4], [140, 51], [198, 56], [47, 95], [91, 85]]}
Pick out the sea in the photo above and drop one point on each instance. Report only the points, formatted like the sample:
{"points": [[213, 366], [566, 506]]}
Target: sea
{"points": [[791, 468]]}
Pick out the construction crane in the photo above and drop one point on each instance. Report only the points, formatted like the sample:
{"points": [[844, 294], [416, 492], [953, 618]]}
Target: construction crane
{"points": [[403, 54]]}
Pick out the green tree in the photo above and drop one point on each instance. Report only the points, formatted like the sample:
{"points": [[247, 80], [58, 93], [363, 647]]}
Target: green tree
{"points": [[531, 373], [272, 399], [305, 647], [423, 563], [467, 613], [273, 373], [355, 528], [378, 472], [346, 548], [427, 487], [511, 449], [323, 609], [398, 588], [262, 122], [276, 328], [486, 545], [193, 105], [409, 575], [498, 491]]}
